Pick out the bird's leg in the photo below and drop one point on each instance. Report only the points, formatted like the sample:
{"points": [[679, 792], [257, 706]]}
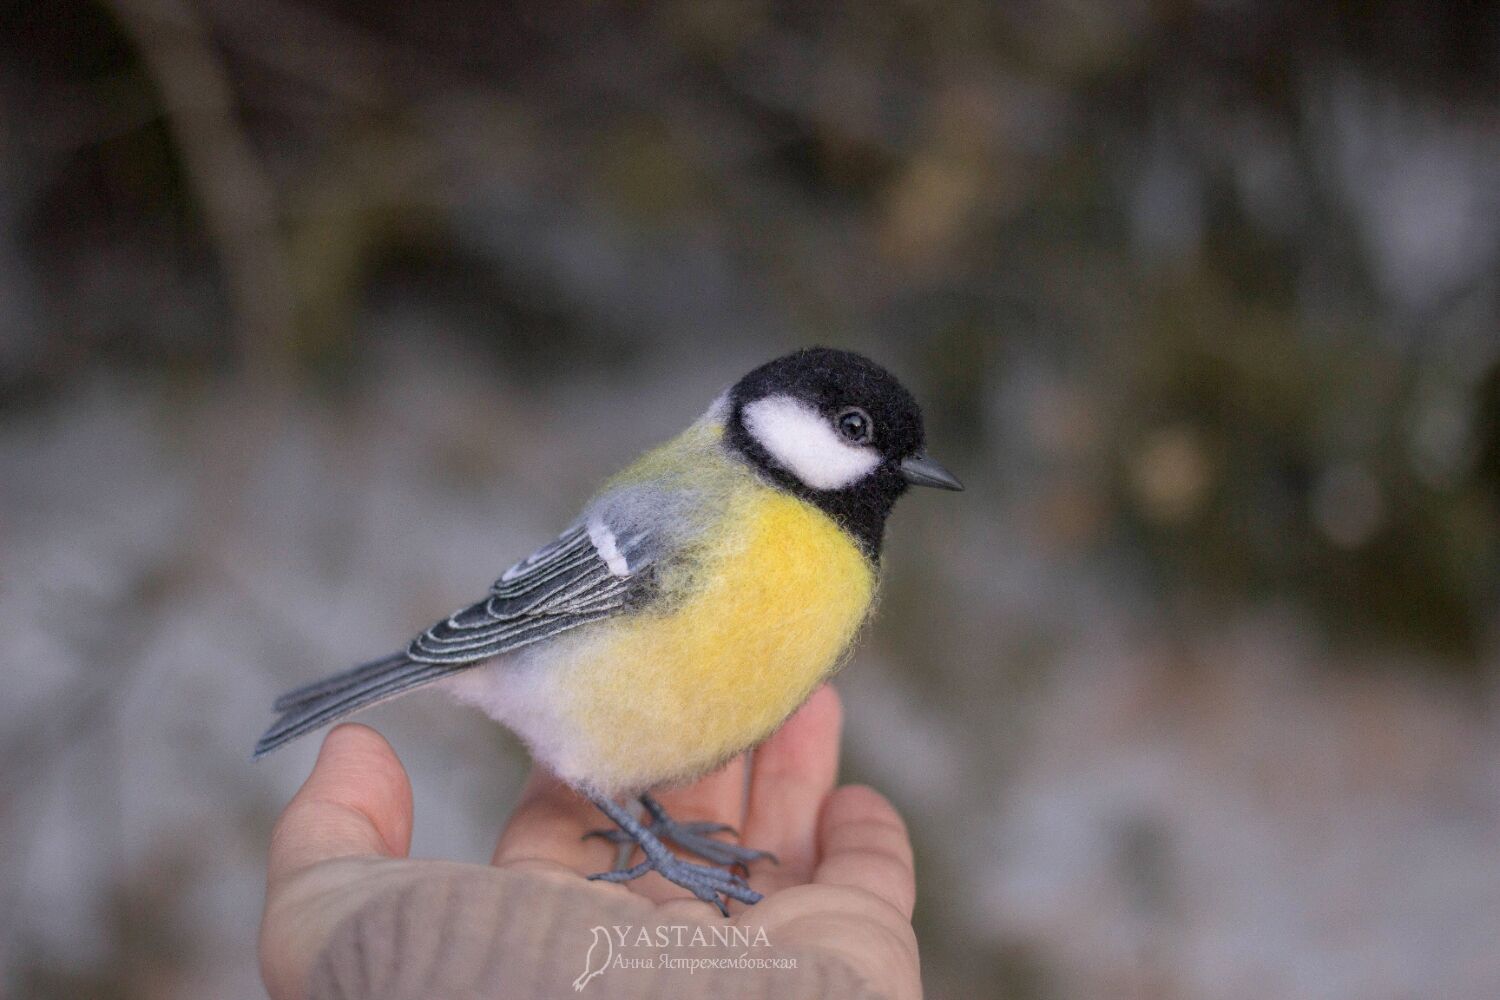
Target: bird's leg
{"points": [[710, 884], [692, 837]]}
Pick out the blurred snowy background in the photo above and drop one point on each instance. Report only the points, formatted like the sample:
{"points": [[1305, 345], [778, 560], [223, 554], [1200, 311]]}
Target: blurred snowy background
{"points": [[316, 314]]}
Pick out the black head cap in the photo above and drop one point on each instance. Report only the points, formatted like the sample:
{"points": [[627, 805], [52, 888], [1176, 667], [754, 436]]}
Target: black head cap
{"points": [[837, 430]]}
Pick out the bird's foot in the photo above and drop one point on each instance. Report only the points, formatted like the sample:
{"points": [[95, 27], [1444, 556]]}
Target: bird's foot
{"points": [[693, 837], [710, 884]]}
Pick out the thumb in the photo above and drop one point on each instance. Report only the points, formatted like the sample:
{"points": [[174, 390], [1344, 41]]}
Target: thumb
{"points": [[356, 802], [356, 805]]}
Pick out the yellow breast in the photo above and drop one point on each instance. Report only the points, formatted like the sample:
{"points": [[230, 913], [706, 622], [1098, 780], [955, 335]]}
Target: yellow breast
{"points": [[745, 630]]}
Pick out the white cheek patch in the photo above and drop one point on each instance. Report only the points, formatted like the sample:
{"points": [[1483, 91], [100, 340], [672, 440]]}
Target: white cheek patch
{"points": [[802, 441]]}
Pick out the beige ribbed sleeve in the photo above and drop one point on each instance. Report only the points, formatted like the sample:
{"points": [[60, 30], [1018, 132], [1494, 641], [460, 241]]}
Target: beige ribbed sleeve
{"points": [[466, 933]]}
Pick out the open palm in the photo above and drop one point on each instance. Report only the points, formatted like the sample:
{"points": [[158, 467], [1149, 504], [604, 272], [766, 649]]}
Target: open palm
{"points": [[844, 883]]}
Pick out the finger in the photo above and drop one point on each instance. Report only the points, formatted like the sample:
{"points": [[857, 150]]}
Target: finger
{"points": [[357, 801], [549, 823], [863, 844], [792, 773]]}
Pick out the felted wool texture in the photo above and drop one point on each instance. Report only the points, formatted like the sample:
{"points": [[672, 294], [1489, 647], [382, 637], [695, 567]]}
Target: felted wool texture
{"points": [[760, 598], [735, 584], [803, 441], [672, 494], [752, 623], [828, 380]]}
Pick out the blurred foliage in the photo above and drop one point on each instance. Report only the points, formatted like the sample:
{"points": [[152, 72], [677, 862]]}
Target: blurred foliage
{"points": [[146, 933], [1273, 464], [1193, 214], [1212, 290]]}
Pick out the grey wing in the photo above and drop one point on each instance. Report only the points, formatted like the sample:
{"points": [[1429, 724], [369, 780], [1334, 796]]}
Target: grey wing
{"points": [[589, 573], [567, 584]]}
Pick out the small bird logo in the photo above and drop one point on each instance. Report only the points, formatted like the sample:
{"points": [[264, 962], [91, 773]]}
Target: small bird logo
{"points": [[601, 949]]}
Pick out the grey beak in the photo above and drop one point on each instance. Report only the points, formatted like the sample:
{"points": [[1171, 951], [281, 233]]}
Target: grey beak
{"points": [[920, 470]]}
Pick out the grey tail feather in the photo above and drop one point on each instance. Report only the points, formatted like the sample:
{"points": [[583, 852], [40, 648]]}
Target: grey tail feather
{"points": [[345, 693], [335, 683]]}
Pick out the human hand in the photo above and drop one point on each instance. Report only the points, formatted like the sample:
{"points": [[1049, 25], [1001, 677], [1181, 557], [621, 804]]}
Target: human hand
{"points": [[844, 885]]}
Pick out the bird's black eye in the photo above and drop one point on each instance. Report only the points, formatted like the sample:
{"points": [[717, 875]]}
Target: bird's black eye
{"points": [[854, 424]]}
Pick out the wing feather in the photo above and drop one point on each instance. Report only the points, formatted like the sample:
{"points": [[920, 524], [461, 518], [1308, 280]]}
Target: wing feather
{"points": [[562, 586]]}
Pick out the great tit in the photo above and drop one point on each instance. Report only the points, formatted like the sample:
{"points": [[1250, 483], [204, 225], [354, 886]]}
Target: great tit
{"points": [[698, 600]]}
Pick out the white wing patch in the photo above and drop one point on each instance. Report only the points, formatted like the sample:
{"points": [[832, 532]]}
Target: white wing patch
{"points": [[608, 549], [802, 441]]}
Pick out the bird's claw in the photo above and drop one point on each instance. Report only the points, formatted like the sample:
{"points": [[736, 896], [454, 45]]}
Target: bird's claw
{"points": [[713, 883], [710, 884], [695, 838], [615, 836]]}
